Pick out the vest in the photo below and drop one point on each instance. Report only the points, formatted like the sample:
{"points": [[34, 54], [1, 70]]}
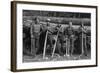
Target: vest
{"points": [[69, 31], [36, 28]]}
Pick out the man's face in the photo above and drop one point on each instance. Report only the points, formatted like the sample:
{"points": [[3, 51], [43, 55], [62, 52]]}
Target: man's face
{"points": [[82, 25], [70, 24], [48, 23], [37, 21]]}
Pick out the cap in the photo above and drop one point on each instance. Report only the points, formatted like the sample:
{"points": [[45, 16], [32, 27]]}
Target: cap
{"points": [[48, 20]]}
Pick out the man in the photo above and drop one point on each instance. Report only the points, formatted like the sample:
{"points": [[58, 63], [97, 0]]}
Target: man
{"points": [[69, 33], [82, 37], [58, 41], [45, 43], [34, 30]]}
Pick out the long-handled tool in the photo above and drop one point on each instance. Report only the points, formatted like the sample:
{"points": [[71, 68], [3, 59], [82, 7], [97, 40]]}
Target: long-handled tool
{"points": [[67, 48], [55, 44], [44, 50], [82, 44], [32, 38], [72, 46], [82, 51]]}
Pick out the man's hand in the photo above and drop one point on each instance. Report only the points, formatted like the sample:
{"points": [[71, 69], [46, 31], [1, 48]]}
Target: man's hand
{"points": [[32, 36]]}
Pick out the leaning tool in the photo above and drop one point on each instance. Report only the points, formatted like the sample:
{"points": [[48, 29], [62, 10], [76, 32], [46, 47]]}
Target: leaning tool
{"points": [[55, 44], [44, 50]]}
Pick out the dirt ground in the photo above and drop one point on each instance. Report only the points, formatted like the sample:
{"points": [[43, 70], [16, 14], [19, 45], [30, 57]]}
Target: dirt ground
{"points": [[56, 57]]}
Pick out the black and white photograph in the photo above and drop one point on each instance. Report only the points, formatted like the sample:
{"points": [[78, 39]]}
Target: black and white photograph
{"points": [[56, 36], [53, 36]]}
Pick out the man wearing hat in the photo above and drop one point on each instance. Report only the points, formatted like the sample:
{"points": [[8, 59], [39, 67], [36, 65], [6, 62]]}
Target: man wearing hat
{"points": [[45, 30], [58, 40]]}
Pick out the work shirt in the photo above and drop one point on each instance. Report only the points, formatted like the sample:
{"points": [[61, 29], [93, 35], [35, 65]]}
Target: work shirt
{"points": [[69, 31], [34, 30]]}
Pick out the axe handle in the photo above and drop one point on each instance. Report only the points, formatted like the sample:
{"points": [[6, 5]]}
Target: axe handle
{"points": [[55, 45], [82, 44], [66, 47], [82, 50], [45, 44]]}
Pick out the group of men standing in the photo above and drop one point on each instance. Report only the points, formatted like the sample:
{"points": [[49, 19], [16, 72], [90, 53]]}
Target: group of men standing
{"points": [[45, 40]]}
